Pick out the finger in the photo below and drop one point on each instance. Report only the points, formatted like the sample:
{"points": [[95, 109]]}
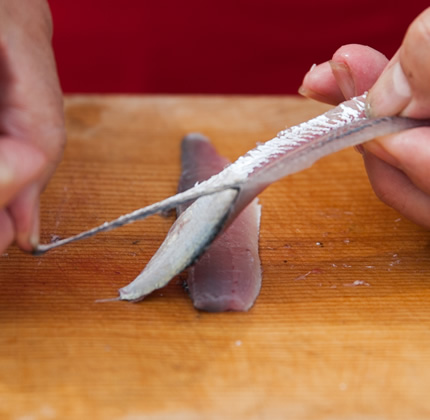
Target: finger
{"points": [[404, 87], [356, 68], [408, 151], [33, 103], [394, 188], [353, 70], [319, 84], [32, 96], [24, 211], [6, 229], [20, 164]]}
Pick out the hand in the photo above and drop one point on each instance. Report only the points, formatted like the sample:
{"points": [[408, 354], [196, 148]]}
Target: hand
{"points": [[398, 165], [31, 117]]}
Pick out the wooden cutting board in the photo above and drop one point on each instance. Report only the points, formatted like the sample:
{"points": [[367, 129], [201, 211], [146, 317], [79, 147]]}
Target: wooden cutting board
{"points": [[341, 329]]}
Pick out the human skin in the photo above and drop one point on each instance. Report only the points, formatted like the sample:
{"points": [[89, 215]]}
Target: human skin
{"points": [[398, 165], [32, 134]]}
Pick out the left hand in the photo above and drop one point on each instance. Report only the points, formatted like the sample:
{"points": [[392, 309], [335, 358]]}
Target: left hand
{"points": [[31, 117]]}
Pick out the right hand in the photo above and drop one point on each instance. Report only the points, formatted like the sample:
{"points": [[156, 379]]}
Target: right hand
{"points": [[398, 165]]}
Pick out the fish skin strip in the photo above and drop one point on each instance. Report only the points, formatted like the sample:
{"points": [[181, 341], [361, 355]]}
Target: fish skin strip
{"points": [[184, 243], [292, 150], [227, 277]]}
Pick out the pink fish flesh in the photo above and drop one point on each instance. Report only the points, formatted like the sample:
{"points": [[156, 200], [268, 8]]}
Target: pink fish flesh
{"points": [[227, 277], [220, 199]]}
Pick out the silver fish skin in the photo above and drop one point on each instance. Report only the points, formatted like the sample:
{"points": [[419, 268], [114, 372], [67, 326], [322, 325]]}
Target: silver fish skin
{"points": [[292, 150], [186, 240], [227, 277]]}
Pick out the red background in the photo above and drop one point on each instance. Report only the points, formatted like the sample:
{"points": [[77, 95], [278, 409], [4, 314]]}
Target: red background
{"points": [[223, 46]]}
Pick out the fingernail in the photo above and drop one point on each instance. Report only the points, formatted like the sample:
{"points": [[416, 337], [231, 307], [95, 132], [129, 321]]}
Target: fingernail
{"points": [[35, 228], [302, 91], [344, 79], [26, 241], [390, 94], [307, 93], [317, 96], [25, 211]]}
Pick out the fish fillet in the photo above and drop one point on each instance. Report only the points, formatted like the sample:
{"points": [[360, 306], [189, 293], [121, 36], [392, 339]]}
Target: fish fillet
{"points": [[227, 277], [221, 198]]}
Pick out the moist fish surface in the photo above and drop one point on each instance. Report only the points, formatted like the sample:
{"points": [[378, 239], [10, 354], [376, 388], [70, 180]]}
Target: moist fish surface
{"points": [[227, 277], [221, 198]]}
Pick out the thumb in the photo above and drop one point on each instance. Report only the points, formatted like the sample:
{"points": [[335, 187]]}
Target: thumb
{"points": [[20, 164], [404, 86]]}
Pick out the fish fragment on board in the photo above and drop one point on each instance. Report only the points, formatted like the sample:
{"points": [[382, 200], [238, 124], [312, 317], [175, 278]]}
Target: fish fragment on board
{"points": [[227, 277]]}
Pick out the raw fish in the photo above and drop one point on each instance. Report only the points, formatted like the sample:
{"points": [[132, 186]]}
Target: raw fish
{"points": [[220, 199], [227, 277]]}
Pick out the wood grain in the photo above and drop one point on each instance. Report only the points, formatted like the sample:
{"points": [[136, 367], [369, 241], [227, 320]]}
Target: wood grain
{"points": [[341, 329]]}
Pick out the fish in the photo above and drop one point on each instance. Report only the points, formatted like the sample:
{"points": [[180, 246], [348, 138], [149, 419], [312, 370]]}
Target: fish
{"points": [[221, 198], [227, 277]]}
